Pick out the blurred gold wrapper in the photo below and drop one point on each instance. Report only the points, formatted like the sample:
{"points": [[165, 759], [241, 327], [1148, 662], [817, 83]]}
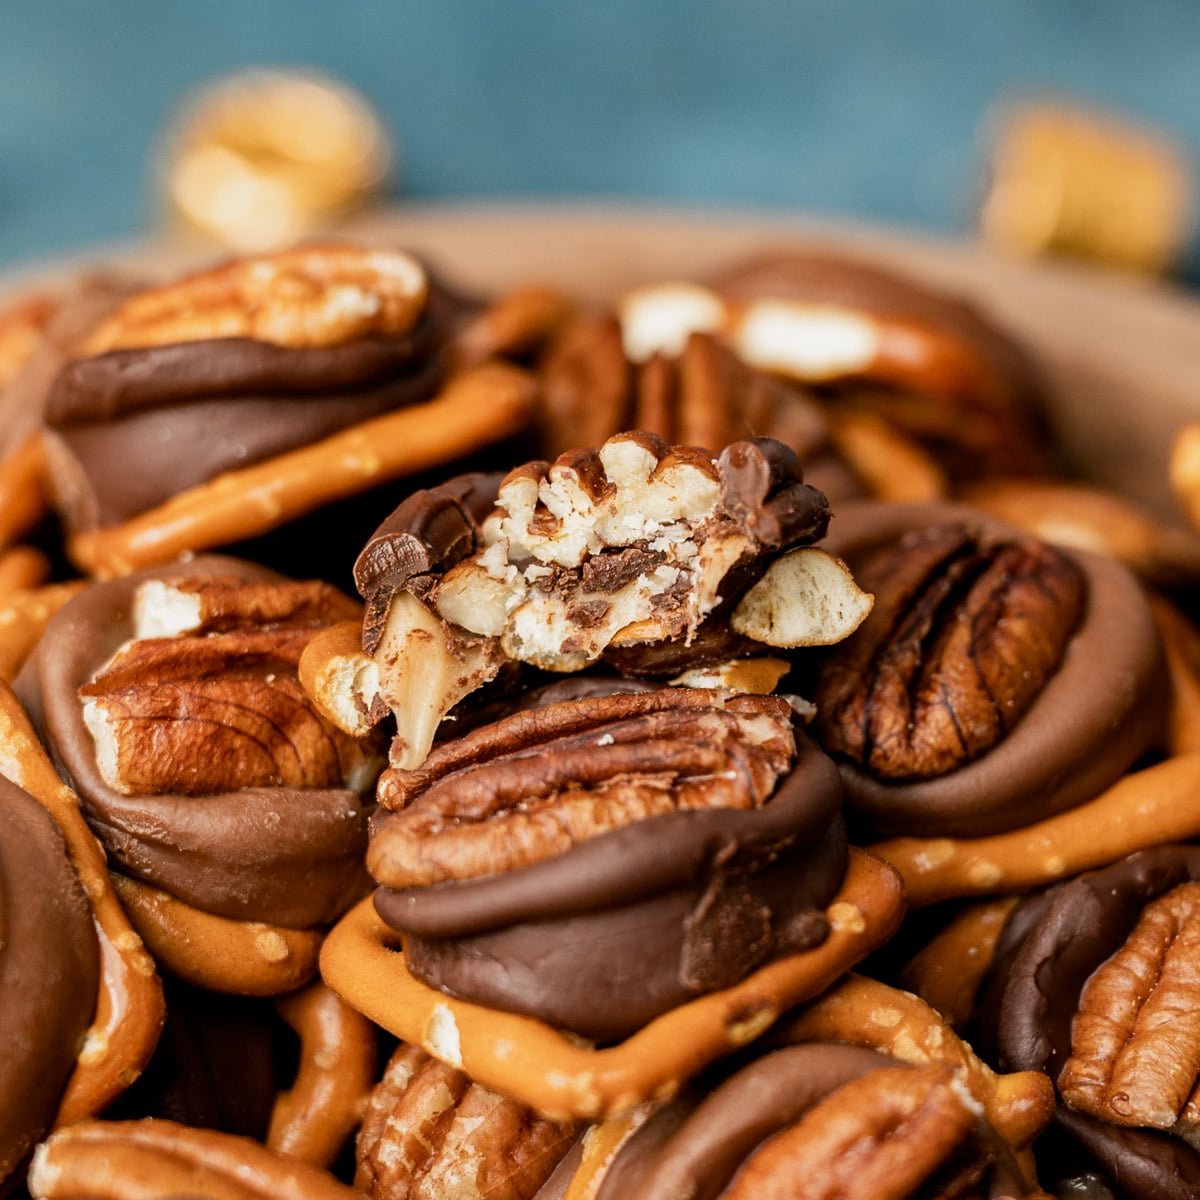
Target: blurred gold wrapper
{"points": [[263, 158], [1068, 180]]}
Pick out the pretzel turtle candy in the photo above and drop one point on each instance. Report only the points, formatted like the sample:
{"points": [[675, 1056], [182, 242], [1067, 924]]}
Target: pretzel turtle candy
{"points": [[129, 1010], [339, 1052], [865, 1012], [234, 814], [948, 970], [562, 1077], [1146, 808], [480, 406], [119, 1160]]}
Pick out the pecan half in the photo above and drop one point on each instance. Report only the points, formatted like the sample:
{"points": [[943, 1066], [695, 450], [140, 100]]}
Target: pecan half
{"points": [[1135, 1040], [205, 697], [965, 632], [124, 1160], [627, 544], [537, 783], [876, 1138], [429, 1133], [307, 296]]}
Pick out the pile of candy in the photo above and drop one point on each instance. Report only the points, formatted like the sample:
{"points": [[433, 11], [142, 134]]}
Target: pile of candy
{"points": [[750, 771]]}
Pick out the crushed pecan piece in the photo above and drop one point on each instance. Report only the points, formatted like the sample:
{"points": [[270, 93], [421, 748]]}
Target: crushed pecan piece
{"points": [[876, 1138], [965, 632], [1135, 1041], [307, 296], [535, 784], [429, 1133], [205, 696], [554, 579]]}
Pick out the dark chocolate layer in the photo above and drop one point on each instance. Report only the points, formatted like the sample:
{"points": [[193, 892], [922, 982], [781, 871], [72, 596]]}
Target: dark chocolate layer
{"points": [[288, 856], [49, 972], [1099, 713], [1034, 992]]}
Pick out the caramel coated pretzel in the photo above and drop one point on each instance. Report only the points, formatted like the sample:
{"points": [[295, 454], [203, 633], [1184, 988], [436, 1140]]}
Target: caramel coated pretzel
{"points": [[553, 1072], [867, 1013], [514, 324], [481, 405], [24, 499], [243, 958], [891, 464], [339, 1053], [1088, 518], [1146, 808], [129, 1008], [948, 971], [1181, 644]]}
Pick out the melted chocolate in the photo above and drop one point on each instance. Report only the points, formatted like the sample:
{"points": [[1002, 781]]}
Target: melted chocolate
{"points": [[49, 972], [288, 856], [1099, 713]]}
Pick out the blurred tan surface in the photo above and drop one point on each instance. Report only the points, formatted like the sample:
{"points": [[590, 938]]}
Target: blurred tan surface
{"points": [[1121, 355]]}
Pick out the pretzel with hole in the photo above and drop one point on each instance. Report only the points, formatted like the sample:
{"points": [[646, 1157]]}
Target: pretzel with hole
{"points": [[339, 1051], [129, 1011], [562, 1077]]}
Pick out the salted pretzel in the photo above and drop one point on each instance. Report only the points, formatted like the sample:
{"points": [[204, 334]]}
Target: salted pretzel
{"points": [[1150, 807], [475, 408], [949, 969], [339, 1053], [245, 958], [560, 1076], [129, 1008]]}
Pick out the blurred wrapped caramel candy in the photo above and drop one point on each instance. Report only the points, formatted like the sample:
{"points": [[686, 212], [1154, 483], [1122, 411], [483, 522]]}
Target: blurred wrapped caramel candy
{"points": [[1075, 181], [262, 158]]}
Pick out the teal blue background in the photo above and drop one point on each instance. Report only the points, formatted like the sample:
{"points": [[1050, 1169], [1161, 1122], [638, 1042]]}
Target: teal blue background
{"points": [[866, 107]]}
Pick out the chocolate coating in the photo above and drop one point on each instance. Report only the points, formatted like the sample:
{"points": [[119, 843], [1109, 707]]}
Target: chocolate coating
{"points": [[189, 411], [1098, 714], [622, 927], [1040, 970], [288, 856], [49, 972]]}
